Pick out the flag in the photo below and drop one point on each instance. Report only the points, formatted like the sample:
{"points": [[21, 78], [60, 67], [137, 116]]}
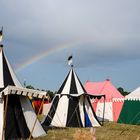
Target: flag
{"points": [[70, 60], [1, 34]]}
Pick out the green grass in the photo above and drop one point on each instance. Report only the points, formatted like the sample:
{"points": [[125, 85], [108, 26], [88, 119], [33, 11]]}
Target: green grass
{"points": [[110, 131]]}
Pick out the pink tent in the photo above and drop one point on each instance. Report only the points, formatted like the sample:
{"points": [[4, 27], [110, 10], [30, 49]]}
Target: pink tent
{"points": [[113, 103]]}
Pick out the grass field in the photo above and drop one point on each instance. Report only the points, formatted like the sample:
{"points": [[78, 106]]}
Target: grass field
{"points": [[110, 131]]}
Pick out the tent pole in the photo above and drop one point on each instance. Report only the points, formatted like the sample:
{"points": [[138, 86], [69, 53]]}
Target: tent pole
{"points": [[36, 117], [4, 122], [103, 112], [78, 119]]}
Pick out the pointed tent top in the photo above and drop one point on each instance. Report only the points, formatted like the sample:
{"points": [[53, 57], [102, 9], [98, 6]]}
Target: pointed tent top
{"points": [[107, 79], [71, 85], [7, 75], [134, 95]]}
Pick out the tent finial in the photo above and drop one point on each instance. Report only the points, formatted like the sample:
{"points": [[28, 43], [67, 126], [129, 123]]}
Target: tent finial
{"points": [[1, 45], [70, 61], [1, 34]]}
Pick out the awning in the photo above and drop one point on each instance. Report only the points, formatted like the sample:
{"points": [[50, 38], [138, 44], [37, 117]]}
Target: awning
{"points": [[22, 91]]}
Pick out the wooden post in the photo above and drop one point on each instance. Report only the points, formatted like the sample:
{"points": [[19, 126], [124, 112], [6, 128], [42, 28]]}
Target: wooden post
{"points": [[4, 121], [37, 117], [103, 112]]}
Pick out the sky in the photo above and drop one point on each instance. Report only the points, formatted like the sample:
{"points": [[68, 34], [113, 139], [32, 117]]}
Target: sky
{"points": [[102, 35]]}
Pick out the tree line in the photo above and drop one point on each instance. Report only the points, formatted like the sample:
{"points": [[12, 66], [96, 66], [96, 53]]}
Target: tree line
{"points": [[51, 93]]}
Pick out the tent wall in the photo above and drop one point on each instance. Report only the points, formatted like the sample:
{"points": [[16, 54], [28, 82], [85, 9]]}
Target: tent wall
{"points": [[60, 116], [94, 103], [48, 119], [46, 108], [30, 117], [91, 114], [21, 117], [117, 107], [112, 109], [71, 112], [73, 117], [16, 126], [130, 113], [108, 114]]}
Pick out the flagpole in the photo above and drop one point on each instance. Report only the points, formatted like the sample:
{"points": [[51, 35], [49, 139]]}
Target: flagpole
{"points": [[1, 36], [70, 61]]}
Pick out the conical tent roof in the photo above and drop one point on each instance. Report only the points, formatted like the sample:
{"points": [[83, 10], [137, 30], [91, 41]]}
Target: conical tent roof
{"points": [[135, 95], [7, 75], [72, 85], [19, 117], [71, 106]]}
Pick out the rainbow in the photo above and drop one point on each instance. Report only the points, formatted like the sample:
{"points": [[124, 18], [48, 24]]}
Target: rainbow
{"points": [[44, 54]]}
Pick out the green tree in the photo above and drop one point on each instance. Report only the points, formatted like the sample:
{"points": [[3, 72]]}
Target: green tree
{"points": [[30, 87], [122, 91], [50, 94]]}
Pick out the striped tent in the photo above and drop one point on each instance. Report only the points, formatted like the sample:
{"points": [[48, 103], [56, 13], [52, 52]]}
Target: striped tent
{"points": [[71, 106], [17, 116], [113, 101]]}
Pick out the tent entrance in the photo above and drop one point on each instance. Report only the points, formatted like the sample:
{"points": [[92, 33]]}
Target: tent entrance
{"points": [[15, 126]]}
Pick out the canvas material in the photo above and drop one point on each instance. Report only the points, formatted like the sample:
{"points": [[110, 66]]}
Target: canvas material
{"points": [[108, 114], [17, 83], [74, 116], [28, 112], [91, 114], [117, 107], [81, 109], [1, 116], [60, 116], [30, 117], [130, 113], [46, 108], [135, 95], [78, 85], [112, 95], [1, 70], [15, 119], [66, 88], [69, 111], [71, 85]]}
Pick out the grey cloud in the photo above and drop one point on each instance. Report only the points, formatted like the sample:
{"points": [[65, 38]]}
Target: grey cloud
{"points": [[109, 30]]}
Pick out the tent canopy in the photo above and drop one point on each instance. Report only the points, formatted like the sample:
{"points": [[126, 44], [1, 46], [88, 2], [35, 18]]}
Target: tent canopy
{"points": [[22, 91]]}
